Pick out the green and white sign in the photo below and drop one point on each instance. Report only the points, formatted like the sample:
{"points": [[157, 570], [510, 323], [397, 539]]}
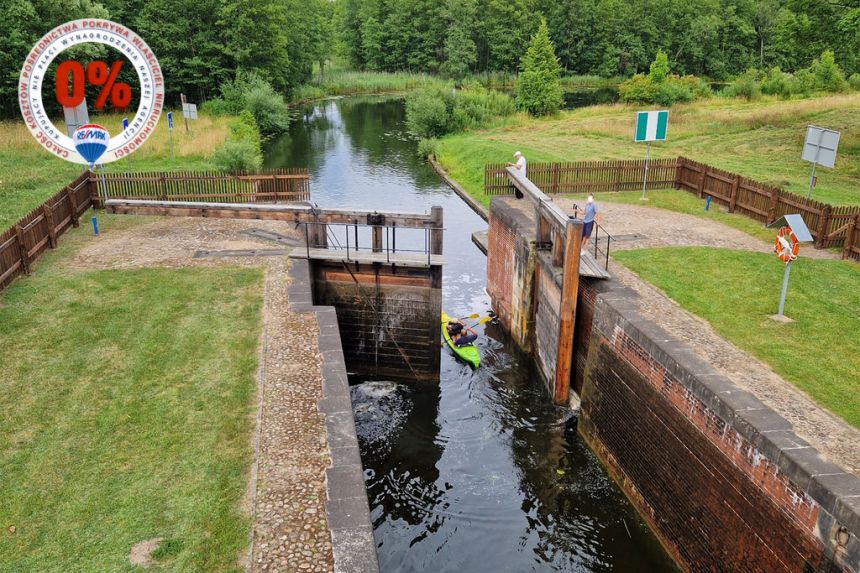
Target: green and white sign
{"points": [[651, 126]]}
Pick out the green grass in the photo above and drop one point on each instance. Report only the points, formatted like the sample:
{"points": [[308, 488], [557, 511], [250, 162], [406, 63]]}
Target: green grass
{"points": [[689, 204], [761, 140], [29, 174], [126, 398], [736, 291]]}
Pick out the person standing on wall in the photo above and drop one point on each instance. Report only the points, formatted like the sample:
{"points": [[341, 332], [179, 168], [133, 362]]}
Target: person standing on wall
{"points": [[520, 163], [590, 215]]}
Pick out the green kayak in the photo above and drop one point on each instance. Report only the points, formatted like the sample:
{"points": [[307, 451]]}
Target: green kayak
{"points": [[467, 353]]}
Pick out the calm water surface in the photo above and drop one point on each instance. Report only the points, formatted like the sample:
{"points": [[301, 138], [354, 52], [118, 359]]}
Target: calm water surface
{"points": [[480, 473]]}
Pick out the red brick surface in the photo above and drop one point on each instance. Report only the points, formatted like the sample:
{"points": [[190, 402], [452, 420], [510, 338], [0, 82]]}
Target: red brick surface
{"points": [[717, 503], [500, 268]]}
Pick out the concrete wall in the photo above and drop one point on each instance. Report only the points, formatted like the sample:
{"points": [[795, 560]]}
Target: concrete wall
{"points": [[386, 317], [347, 509], [722, 480]]}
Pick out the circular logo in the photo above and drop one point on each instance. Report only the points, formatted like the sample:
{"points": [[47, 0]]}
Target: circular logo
{"points": [[110, 34], [91, 140]]}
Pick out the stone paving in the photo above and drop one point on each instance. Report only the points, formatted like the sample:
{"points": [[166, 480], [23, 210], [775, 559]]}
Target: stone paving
{"points": [[829, 434], [286, 497]]}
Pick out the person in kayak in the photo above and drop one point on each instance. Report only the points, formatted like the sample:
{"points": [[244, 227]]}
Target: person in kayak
{"points": [[461, 334]]}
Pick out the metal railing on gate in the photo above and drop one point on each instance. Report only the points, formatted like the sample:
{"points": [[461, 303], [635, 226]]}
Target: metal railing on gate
{"points": [[382, 239]]}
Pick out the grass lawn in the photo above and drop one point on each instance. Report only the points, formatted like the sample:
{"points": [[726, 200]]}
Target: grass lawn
{"points": [[689, 204], [127, 399], [29, 174], [761, 140], [735, 292]]}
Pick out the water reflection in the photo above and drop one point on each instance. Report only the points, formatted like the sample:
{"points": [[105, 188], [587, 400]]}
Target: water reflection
{"points": [[482, 472]]}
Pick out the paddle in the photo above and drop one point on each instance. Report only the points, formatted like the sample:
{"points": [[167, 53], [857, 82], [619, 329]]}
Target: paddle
{"points": [[473, 315], [484, 320]]}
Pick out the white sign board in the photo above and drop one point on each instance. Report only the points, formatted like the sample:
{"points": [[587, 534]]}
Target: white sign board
{"points": [[76, 117], [820, 146], [189, 110]]}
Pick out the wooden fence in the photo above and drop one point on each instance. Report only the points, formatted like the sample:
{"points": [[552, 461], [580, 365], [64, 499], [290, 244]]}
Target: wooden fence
{"points": [[271, 186], [40, 229], [830, 226], [584, 176]]}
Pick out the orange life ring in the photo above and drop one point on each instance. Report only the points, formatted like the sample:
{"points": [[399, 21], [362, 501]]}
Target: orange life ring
{"points": [[786, 245]]}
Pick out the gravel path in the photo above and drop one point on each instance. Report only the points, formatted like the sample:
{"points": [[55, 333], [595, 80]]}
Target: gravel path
{"points": [[829, 434], [662, 228], [286, 494]]}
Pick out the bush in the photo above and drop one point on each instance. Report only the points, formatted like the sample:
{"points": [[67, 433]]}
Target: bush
{"points": [[268, 107], [434, 112], [252, 93], [244, 128], [745, 86], [779, 83], [427, 148], [661, 87], [236, 156], [427, 112], [804, 82], [854, 81], [828, 74]]}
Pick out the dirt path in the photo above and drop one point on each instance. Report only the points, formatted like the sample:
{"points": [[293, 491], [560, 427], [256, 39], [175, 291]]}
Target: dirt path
{"points": [[652, 227], [286, 494]]}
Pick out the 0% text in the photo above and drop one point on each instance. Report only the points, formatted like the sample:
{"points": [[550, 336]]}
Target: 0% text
{"points": [[97, 73]]}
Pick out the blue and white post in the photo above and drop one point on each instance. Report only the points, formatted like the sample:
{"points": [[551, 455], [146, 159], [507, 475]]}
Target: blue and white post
{"points": [[124, 127], [170, 131]]}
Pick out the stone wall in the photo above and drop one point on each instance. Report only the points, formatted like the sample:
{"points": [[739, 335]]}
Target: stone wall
{"points": [[386, 317]]}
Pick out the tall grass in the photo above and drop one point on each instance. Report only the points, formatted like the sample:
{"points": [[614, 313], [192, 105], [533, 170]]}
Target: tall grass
{"points": [[349, 82]]}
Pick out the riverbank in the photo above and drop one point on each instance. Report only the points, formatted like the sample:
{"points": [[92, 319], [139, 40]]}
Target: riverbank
{"points": [[761, 140], [29, 174]]}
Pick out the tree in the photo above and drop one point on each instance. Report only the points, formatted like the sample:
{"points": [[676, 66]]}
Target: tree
{"points": [[539, 86], [764, 21], [461, 53], [659, 68]]}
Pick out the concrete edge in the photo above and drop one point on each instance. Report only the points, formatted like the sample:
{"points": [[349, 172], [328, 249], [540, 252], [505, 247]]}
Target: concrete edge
{"points": [[458, 189], [836, 491], [347, 509]]}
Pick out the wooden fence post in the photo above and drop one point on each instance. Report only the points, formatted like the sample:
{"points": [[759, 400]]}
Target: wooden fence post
{"points": [[733, 200], [436, 231], [850, 236], [555, 177], [774, 204], [679, 172], [22, 248], [73, 205], [823, 225], [49, 220], [93, 185], [702, 176]]}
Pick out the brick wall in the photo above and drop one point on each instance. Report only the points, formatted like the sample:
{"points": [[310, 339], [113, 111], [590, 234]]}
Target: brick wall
{"points": [[404, 307], [723, 481]]}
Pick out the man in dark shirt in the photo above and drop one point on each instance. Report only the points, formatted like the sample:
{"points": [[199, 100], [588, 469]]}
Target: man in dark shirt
{"points": [[458, 332]]}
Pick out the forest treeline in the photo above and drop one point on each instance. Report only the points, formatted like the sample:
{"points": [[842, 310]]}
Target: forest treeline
{"points": [[204, 44], [715, 39]]}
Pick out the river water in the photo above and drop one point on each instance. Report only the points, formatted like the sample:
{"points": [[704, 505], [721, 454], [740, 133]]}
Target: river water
{"points": [[482, 472]]}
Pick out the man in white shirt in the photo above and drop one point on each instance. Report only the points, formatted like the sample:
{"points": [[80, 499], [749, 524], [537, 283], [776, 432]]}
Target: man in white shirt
{"points": [[520, 164]]}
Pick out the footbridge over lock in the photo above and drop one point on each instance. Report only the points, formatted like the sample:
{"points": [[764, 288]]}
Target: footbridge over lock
{"points": [[381, 271]]}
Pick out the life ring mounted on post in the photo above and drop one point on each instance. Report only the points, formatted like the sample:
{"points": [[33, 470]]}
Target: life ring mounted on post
{"points": [[786, 245]]}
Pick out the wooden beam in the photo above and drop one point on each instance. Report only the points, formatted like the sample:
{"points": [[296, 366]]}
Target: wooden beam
{"points": [[567, 312], [297, 213], [436, 230]]}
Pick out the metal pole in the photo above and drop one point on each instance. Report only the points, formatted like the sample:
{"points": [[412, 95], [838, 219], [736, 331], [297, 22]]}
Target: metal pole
{"points": [[647, 161], [811, 181], [171, 144], [784, 289], [104, 183]]}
